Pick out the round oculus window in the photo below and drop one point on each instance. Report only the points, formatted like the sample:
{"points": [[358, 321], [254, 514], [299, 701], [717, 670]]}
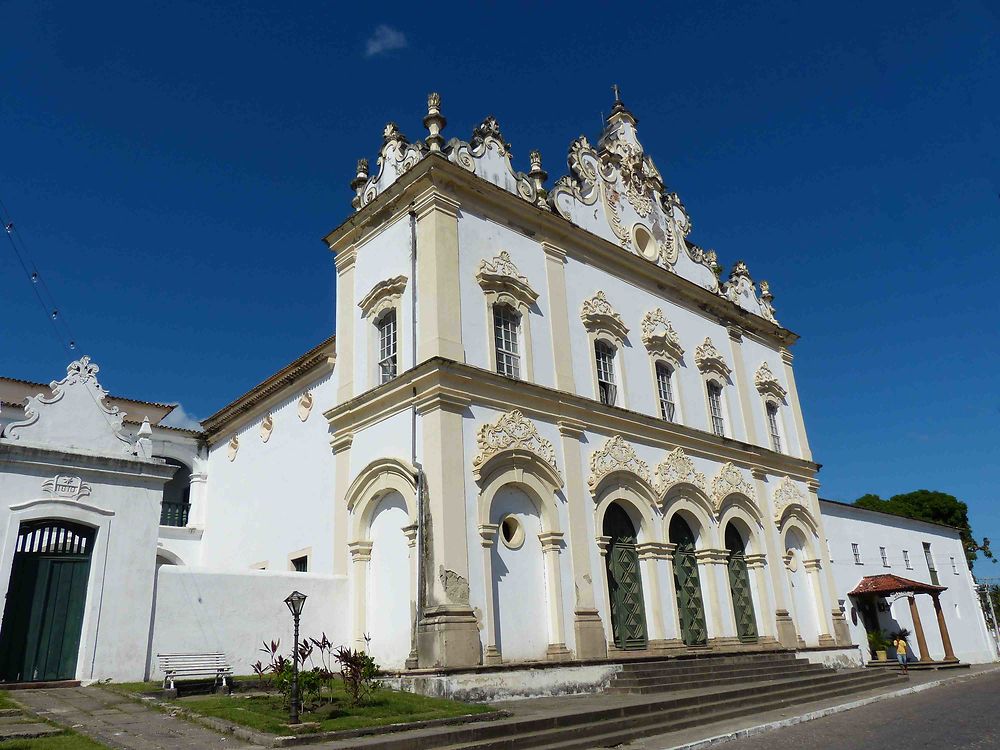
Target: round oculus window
{"points": [[511, 532], [644, 242]]}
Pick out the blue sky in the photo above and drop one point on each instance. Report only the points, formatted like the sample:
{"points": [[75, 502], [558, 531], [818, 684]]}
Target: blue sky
{"points": [[170, 167]]}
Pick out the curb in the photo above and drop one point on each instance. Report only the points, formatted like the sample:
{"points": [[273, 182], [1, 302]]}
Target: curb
{"points": [[819, 714]]}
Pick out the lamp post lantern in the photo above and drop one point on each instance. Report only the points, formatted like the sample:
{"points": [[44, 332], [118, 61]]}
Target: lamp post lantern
{"points": [[295, 602]]}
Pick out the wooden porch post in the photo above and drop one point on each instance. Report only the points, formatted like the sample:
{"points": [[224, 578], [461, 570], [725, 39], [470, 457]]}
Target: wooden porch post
{"points": [[921, 641], [949, 654]]}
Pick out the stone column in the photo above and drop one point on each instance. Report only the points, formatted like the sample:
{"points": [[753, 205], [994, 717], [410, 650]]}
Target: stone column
{"points": [[440, 329], [743, 387], [793, 402], [949, 653], [602, 546], [841, 633], [783, 623], [448, 634], [361, 555], [341, 447], [487, 537], [552, 543], [648, 553], [198, 499], [671, 617], [588, 630], [413, 660], [346, 314], [763, 604], [823, 614], [919, 630], [555, 274], [712, 570]]}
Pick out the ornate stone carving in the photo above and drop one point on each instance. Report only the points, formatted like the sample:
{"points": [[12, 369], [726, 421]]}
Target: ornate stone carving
{"points": [[266, 428], [788, 495], [512, 431], [729, 480], [382, 296], [766, 298], [660, 337], [616, 455], [710, 359], [396, 157], [75, 416], [767, 383], [233, 447], [501, 276], [66, 487], [488, 155], [677, 468], [305, 406], [597, 314]]}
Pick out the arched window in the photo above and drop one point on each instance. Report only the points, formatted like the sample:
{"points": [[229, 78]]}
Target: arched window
{"points": [[772, 426], [715, 408], [387, 346], [505, 335], [176, 503], [604, 355], [665, 389]]}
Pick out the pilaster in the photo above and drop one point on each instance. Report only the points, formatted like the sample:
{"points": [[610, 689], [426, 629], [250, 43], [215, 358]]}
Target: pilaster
{"points": [[743, 386], [440, 329], [555, 274], [793, 399], [552, 544], [346, 314], [783, 622], [341, 447]]}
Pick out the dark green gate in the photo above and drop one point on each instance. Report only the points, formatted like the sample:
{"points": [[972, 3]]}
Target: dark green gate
{"points": [[739, 586], [40, 636], [628, 612], [690, 608]]}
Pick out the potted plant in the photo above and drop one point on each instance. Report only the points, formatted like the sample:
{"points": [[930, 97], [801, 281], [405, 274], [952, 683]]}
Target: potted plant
{"points": [[878, 645]]}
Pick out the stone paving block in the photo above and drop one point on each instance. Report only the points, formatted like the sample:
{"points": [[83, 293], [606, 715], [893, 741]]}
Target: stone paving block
{"points": [[26, 731]]}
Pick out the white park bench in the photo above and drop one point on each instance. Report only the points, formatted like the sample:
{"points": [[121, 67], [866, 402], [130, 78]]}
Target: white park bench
{"points": [[181, 666]]}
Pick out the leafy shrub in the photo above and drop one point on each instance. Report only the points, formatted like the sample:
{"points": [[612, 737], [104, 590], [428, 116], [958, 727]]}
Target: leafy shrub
{"points": [[358, 670]]}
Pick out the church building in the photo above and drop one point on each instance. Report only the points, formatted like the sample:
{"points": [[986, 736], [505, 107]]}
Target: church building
{"points": [[549, 430]]}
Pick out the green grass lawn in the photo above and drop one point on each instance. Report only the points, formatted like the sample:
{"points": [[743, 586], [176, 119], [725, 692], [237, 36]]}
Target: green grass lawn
{"points": [[64, 741], [269, 714], [5, 701]]}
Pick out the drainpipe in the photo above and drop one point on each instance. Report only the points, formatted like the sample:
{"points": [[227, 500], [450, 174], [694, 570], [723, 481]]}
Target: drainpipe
{"points": [[412, 660]]}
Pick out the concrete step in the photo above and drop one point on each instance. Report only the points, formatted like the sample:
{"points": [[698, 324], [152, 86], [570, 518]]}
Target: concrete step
{"points": [[638, 686], [713, 659], [710, 672], [615, 731], [26, 730]]}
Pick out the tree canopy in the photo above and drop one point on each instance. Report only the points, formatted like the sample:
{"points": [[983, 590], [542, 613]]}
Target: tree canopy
{"points": [[939, 507]]}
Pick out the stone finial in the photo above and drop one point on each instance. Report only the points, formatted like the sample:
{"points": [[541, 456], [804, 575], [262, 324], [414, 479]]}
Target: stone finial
{"points": [[765, 292], [144, 445], [739, 269], [358, 183], [434, 121], [538, 175], [619, 107]]}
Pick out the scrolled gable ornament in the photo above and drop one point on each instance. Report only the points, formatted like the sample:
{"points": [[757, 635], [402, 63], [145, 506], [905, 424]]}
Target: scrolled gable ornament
{"points": [[767, 383], [730, 480], [659, 336], [677, 468], [709, 359], [512, 431], [597, 315], [500, 275], [788, 496], [615, 455]]}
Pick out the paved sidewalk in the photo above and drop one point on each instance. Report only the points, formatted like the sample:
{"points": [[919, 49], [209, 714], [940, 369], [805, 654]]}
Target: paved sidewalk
{"points": [[121, 723]]}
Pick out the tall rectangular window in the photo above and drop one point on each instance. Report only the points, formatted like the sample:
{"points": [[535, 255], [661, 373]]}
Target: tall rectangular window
{"points": [[857, 553], [605, 356], [906, 559], [885, 559], [930, 564], [772, 425], [505, 325], [954, 568], [300, 564], [715, 407], [663, 386], [387, 347]]}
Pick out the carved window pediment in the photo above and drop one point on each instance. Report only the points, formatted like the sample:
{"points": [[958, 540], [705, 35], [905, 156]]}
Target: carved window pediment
{"points": [[710, 359], [599, 316], [512, 431], [501, 277], [767, 383], [383, 296], [678, 468], [660, 337], [616, 455], [788, 496], [729, 480]]}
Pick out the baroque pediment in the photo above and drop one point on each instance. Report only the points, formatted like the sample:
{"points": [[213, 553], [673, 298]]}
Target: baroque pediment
{"points": [[512, 431], [788, 496], [383, 296], [501, 276], [677, 468], [709, 359], [660, 337], [598, 315], [616, 455], [730, 480], [74, 417], [767, 383]]}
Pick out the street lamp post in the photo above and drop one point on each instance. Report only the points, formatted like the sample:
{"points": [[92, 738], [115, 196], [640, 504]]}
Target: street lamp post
{"points": [[295, 602]]}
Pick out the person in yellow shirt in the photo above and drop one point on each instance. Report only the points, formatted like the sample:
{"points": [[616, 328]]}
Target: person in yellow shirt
{"points": [[900, 644]]}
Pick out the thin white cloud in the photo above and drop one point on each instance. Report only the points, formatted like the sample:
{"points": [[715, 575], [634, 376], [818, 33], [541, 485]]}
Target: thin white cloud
{"points": [[384, 40], [180, 418]]}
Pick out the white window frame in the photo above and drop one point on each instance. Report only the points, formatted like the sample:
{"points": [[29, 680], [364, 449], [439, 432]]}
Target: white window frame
{"points": [[384, 298], [906, 559], [503, 284], [712, 365], [386, 319], [856, 551], [659, 365], [885, 557], [715, 385], [508, 362], [775, 430], [612, 350], [605, 325]]}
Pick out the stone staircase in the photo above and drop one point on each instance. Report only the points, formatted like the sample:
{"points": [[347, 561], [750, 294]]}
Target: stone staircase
{"points": [[650, 698]]}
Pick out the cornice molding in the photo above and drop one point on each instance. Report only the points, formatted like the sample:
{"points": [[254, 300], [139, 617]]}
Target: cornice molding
{"points": [[383, 296]]}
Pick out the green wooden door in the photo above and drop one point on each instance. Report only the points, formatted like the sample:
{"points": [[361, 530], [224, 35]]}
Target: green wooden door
{"points": [[628, 611], [739, 587], [690, 607], [43, 616]]}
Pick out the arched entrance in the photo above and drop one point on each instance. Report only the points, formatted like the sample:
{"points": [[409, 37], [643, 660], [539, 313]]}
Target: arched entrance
{"points": [[43, 617], [389, 583], [690, 607], [739, 586], [628, 611]]}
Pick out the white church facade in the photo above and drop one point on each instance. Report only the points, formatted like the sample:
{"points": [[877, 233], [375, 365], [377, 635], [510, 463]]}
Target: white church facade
{"points": [[546, 431]]}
